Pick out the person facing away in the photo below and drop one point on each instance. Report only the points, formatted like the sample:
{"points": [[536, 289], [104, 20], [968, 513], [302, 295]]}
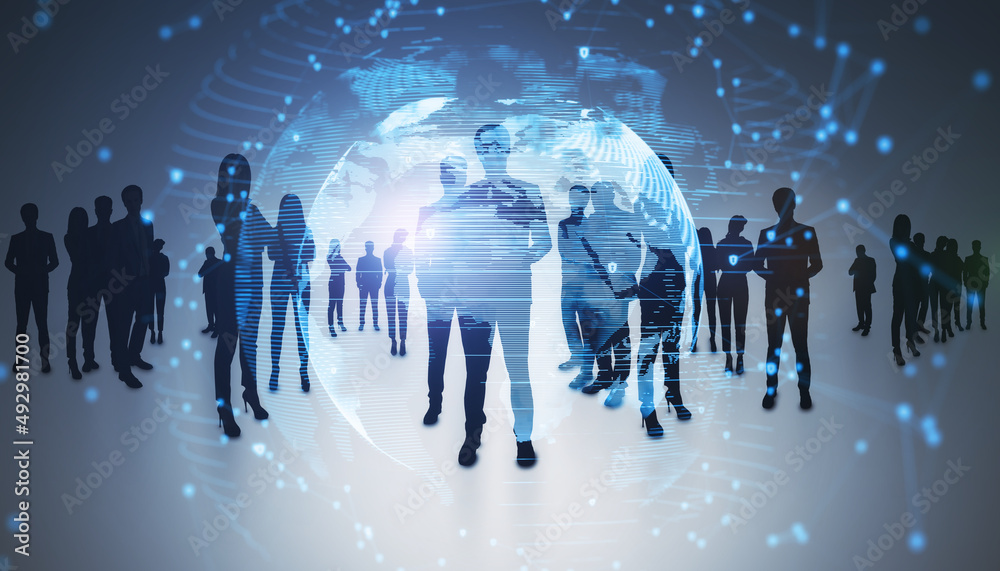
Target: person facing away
{"points": [[863, 269], [398, 260], [208, 287], [787, 258], [292, 251], [904, 286], [77, 287], [133, 248], [160, 269], [939, 290], [709, 265], [99, 245], [573, 259], [954, 267], [735, 255], [976, 275], [338, 269], [31, 257], [923, 262], [368, 276]]}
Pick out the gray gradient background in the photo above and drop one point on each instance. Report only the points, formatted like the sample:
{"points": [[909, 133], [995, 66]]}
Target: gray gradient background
{"points": [[64, 79]]}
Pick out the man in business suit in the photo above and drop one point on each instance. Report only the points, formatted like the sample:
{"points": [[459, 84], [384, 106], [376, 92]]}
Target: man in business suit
{"points": [[368, 275], [976, 274], [787, 257], [208, 288], [31, 255], [132, 308], [99, 245], [863, 270]]}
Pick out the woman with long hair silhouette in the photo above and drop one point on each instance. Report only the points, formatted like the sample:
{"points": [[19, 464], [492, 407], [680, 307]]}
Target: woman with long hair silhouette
{"points": [[291, 250], [904, 294], [77, 286], [735, 255]]}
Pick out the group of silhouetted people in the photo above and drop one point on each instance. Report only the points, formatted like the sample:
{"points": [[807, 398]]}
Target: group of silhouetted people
{"points": [[787, 257], [923, 280], [119, 264]]}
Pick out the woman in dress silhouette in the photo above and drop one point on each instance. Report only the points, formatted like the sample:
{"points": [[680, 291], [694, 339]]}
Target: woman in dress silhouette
{"points": [[77, 286]]}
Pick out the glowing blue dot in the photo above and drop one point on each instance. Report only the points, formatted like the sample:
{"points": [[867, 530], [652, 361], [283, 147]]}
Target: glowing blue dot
{"points": [[347, 29], [147, 215], [799, 291], [188, 490], [825, 111], [226, 257], [748, 166], [339, 22], [832, 127], [910, 370], [669, 8], [194, 22], [788, 241], [165, 32], [755, 136], [176, 176], [317, 66], [295, 137], [843, 205], [698, 41], [808, 233], [584, 52], [843, 49], [778, 312], [819, 42], [794, 30], [698, 10], [185, 344], [982, 80], [693, 52], [3, 372], [288, 100], [748, 16], [91, 394], [776, 134], [192, 305], [760, 167], [384, 33], [799, 531], [902, 252], [916, 542], [821, 136], [719, 92], [772, 540], [42, 19], [922, 25], [725, 436], [771, 235], [311, 58], [861, 446], [772, 369], [440, 10], [371, 20], [104, 154], [737, 129], [877, 67], [939, 360], [736, 82], [178, 302], [904, 412], [728, 164], [716, 63], [649, 22], [884, 144]]}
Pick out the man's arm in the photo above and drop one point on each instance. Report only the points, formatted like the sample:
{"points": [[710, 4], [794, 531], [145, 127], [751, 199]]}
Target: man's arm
{"points": [[760, 256], [9, 261], [53, 256], [815, 261]]}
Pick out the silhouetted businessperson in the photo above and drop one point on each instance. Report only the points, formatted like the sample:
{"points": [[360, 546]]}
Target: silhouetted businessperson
{"points": [[976, 275], [208, 287], [368, 276], [131, 310], [31, 257], [439, 258], [735, 254], [787, 258], [707, 284], [922, 290], [864, 271], [99, 240], [904, 288], [338, 271], [954, 267], [292, 250], [939, 290], [232, 213], [158, 286], [574, 265], [398, 260], [77, 287]]}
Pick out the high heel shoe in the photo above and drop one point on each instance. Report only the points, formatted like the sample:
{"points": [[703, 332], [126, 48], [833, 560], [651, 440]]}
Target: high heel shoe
{"points": [[392, 350], [273, 383], [74, 371], [729, 364], [227, 421], [304, 374], [254, 402], [152, 337], [739, 365], [899, 358], [653, 426], [912, 348], [682, 412]]}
